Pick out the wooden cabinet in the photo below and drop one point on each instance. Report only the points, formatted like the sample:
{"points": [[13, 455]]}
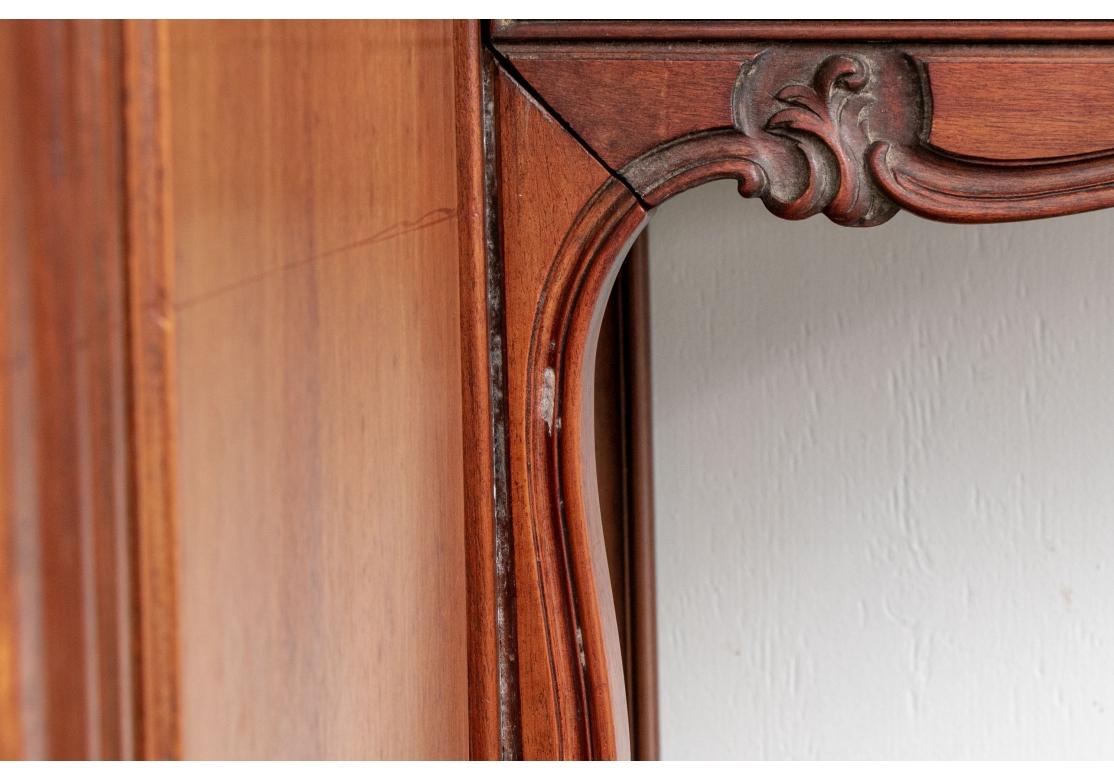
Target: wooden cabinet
{"points": [[298, 328], [231, 459]]}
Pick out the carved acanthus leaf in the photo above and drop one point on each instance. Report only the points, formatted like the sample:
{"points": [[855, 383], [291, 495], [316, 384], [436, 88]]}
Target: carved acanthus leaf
{"points": [[804, 122], [845, 134], [827, 110]]}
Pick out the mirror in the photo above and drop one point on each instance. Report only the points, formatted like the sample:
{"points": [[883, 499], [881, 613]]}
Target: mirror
{"points": [[883, 487]]}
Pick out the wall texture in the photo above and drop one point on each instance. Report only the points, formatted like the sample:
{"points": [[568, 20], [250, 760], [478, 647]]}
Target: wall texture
{"points": [[884, 485]]}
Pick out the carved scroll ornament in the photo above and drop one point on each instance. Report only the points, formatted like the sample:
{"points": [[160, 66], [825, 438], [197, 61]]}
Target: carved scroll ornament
{"points": [[813, 130], [845, 134]]}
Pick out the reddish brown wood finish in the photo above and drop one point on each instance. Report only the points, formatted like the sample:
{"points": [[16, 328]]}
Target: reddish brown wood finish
{"points": [[67, 679], [570, 672], [611, 458], [961, 133], [882, 132], [493, 711], [210, 276], [808, 30], [165, 180], [1007, 102], [154, 435], [658, 99], [323, 609], [1001, 107]]}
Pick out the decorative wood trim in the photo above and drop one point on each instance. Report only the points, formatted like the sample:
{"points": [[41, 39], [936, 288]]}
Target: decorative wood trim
{"points": [[845, 134], [492, 671], [570, 670], [839, 130], [71, 644], [1043, 102], [150, 278], [952, 190], [804, 121], [562, 458], [516, 30]]}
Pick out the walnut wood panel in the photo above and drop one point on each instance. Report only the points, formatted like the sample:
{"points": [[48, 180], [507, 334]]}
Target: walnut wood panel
{"points": [[998, 108], [15, 381], [659, 100], [67, 682], [314, 203]]}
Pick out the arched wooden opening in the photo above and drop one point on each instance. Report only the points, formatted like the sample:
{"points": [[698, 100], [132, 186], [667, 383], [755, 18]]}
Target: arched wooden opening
{"points": [[855, 131]]}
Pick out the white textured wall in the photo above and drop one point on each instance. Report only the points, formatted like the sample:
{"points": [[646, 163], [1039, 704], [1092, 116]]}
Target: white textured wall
{"points": [[885, 485]]}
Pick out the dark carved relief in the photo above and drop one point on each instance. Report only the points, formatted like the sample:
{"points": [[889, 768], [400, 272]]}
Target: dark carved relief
{"points": [[826, 112], [804, 122], [844, 134]]}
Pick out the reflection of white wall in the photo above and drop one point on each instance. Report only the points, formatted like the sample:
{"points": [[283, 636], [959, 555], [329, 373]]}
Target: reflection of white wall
{"points": [[884, 483]]}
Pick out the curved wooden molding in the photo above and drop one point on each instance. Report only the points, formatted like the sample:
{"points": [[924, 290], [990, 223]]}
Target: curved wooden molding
{"points": [[800, 30], [1023, 104], [845, 134], [942, 188], [562, 456], [807, 129], [564, 221], [803, 124]]}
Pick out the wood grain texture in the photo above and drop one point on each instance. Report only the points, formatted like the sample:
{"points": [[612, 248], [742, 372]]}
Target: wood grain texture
{"points": [[854, 131], [557, 700], [13, 354], [982, 95], [323, 608], [570, 669], [658, 99], [530, 145], [246, 507], [492, 714], [995, 108], [566, 339], [511, 30], [939, 187], [804, 120], [66, 675], [838, 129], [152, 402]]}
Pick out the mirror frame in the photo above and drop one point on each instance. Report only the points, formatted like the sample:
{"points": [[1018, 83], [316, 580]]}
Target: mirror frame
{"points": [[570, 133]]}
